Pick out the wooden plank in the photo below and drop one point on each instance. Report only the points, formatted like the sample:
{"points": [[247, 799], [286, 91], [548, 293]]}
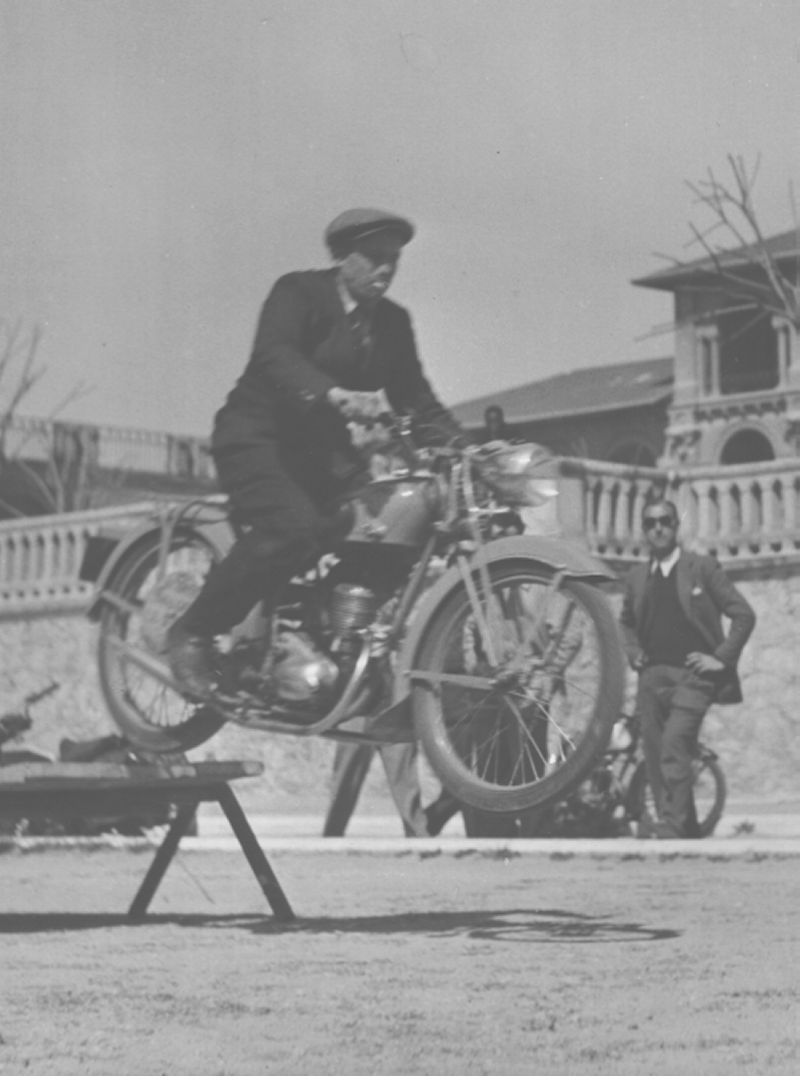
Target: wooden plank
{"points": [[86, 773]]}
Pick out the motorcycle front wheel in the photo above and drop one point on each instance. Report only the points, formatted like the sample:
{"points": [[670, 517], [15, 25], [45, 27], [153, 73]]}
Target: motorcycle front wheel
{"points": [[514, 700], [148, 711]]}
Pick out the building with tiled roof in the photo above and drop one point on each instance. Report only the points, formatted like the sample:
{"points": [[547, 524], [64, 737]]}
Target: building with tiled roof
{"points": [[613, 412], [730, 395]]}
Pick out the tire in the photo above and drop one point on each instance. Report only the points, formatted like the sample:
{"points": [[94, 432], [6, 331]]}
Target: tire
{"points": [[512, 745], [148, 713], [710, 793]]}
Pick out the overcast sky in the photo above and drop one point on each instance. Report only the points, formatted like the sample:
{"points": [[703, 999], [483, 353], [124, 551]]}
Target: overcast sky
{"points": [[163, 161]]}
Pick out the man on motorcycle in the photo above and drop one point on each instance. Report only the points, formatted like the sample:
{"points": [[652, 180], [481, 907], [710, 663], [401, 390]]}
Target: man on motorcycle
{"points": [[327, 341]]}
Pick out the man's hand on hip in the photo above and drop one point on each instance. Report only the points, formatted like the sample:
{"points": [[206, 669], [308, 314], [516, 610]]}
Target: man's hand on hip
{"points": [[704, 663]]}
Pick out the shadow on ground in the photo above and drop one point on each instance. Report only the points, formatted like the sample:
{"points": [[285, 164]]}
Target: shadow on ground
{"points": [[514, 925]]}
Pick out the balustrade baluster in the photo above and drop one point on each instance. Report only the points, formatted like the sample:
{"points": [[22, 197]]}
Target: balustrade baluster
{"points": [[604, 511], [46, 557], [791, 524], [750, 514], [622, 522], [590, 504], [769, 510], [727, 513], [641, 490], [703, 532]]}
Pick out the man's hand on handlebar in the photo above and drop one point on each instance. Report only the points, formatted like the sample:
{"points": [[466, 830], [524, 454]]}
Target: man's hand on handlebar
{"points": [[357, 406]]}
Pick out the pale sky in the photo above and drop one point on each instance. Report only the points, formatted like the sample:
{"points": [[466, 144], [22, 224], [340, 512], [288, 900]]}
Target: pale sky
{"points": [[163, 161]]}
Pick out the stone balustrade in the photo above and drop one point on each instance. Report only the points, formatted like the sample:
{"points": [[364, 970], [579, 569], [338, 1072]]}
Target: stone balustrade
{"points": [[747, 514], [40, 558]]}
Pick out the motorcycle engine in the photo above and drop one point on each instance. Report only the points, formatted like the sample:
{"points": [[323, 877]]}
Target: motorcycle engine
{"points": [[300, 671]]}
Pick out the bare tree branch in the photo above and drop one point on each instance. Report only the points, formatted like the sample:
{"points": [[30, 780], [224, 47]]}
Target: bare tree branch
{"points": [[734, 215], [56, 463]]}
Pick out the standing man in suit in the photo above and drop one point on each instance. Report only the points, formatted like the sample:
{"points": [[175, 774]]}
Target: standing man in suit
{"points": [[671, 618]]}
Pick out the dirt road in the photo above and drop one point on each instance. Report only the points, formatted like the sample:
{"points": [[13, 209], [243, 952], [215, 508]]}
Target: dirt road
{"points": [[401, 965]]}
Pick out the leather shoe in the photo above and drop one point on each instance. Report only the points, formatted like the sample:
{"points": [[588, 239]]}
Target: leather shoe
{"points": [[191, 659], [439, 813]]}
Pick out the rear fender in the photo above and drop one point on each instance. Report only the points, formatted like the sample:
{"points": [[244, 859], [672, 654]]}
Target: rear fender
{"points": [[218, 536], [555, 555]]}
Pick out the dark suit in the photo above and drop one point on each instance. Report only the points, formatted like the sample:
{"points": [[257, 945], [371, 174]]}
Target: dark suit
{"points": [[672, 701], [283, 453]]}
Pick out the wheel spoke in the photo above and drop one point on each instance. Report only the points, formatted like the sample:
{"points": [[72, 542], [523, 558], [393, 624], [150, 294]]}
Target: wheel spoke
{"points": [[458, 679], [144, 662]]}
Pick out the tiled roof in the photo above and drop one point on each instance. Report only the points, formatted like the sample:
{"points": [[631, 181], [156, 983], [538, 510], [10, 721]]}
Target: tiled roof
{"points": [[781, 247], [580, 392]]}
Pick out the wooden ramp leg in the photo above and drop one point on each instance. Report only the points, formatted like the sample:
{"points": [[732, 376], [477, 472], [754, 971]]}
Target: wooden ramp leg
{"points": [[264, 873], [163, 858]]}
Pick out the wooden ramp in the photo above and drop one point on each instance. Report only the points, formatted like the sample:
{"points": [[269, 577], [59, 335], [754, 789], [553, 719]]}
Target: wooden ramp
{"points": [[65, 790]]}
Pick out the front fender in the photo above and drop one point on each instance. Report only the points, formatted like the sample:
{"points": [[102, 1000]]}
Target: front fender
{"points": [[555, 553], [219, 536], [569, 560]]}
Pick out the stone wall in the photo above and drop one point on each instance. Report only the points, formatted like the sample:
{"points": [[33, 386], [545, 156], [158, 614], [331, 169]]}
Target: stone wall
{"points": [[39, 650], [758, 741]]}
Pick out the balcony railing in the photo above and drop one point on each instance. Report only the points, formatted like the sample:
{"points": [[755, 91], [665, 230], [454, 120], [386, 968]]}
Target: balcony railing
{"points": [[747, 515]]}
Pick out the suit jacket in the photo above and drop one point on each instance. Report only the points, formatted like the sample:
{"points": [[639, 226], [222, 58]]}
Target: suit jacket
{"points": [[303, 347], [705, 594]]}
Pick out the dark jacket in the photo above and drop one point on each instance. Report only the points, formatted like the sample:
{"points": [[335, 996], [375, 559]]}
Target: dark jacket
{"points": [[303, 347], [705, 594]]}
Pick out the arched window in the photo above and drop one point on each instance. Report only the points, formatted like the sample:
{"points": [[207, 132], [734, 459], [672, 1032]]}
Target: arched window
{"points": [[747, 446]]}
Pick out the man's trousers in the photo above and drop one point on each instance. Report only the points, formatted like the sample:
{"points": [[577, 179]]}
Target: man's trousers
{"points": [[671, 704]]}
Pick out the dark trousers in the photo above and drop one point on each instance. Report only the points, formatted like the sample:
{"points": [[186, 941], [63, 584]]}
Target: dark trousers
{"points": [[671, 704], [283, 527]]}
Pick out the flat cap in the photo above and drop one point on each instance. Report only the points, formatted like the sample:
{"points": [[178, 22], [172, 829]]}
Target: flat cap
{"points": [[355, 224]]}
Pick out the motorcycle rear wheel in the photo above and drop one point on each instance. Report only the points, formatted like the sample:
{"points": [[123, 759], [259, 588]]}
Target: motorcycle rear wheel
{"points": [[506, 745], [150, 714]]}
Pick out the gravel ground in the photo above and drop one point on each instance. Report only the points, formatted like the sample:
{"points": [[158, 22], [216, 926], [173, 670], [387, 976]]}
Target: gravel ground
{"points": [[407, 963]]}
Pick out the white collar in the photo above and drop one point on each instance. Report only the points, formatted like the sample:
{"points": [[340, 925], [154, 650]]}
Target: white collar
{"points": [[668, 563]]}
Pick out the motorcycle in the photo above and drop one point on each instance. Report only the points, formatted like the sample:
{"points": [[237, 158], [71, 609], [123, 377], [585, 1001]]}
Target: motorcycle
{"points": [[432, 618]]}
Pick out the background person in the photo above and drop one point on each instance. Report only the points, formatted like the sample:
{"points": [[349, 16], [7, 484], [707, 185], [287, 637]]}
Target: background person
{"points": [[671, 618], [494, 426]]}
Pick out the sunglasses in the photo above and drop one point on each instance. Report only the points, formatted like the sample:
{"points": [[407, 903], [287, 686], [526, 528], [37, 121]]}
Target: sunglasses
{"points": [[649, 522]]}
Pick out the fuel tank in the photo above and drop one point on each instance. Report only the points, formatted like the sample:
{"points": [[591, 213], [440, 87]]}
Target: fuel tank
{"points": [[395, 510]]}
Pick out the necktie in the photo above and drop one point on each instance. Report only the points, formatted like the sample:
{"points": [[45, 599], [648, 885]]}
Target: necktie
{"points": [[359, 322]]}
